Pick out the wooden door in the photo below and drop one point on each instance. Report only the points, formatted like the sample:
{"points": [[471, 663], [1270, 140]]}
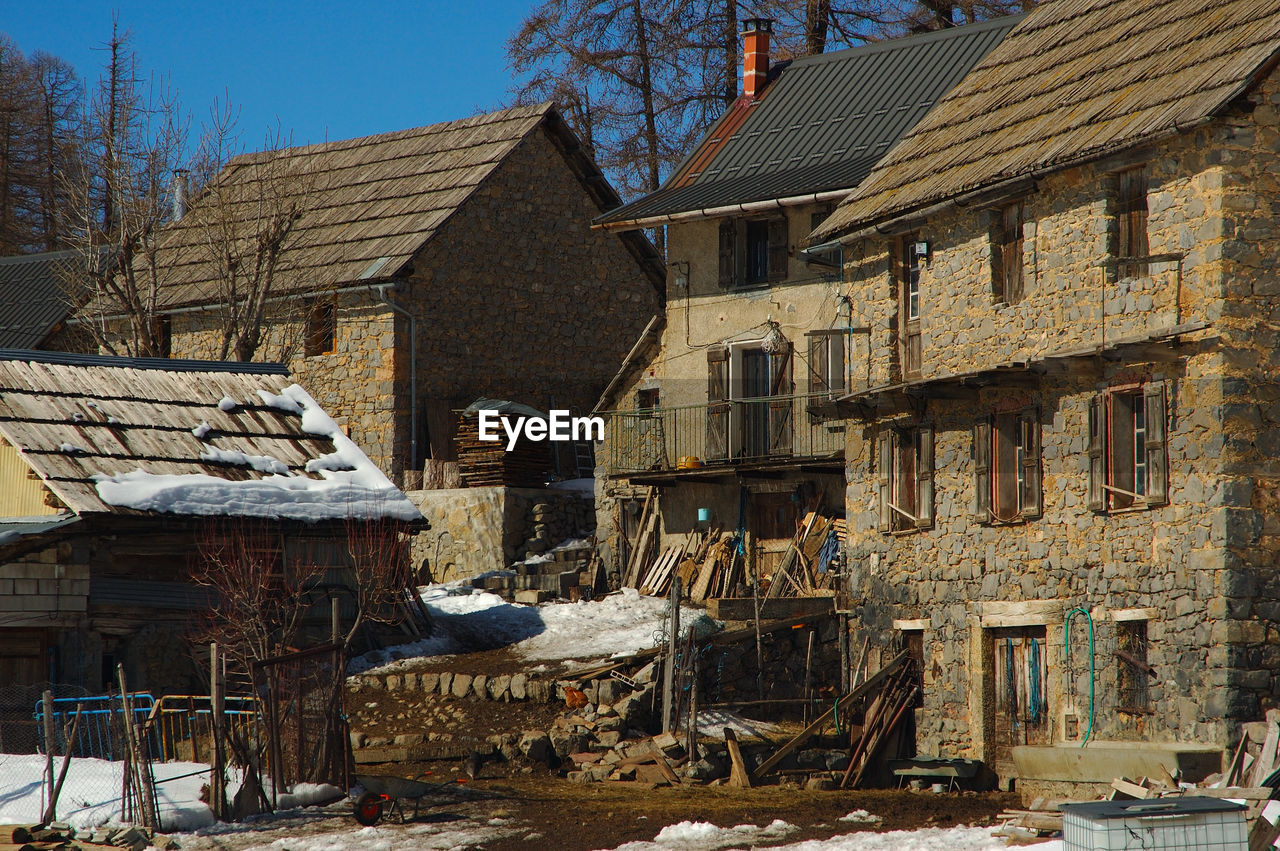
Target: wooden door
{"points": [[1017, 692], [755, 411]]}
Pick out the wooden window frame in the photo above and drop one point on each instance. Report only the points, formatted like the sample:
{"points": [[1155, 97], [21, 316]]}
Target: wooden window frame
{"points": [[1132, 246], [906, 469], [162, 334], [907, 270], [1007, 245], [1128, 448], [1134, 672], [1008, 481], [322, 327]]}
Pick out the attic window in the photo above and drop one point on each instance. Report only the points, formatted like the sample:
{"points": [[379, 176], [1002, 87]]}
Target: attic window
{"points": [[753, 251], [322, 327], [1006, 252], [1131, 222]]}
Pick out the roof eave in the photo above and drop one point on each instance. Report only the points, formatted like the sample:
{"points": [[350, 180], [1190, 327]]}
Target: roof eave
{"points": [[747, 207]]}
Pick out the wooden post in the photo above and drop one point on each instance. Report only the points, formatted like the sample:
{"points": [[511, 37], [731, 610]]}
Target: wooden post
{"points": [[51, 811], [808, 678], [669, 671], [755, 597], [335, 621], [217, 780], [133, 781], [49, 741], [844, 652], [692, 746]]}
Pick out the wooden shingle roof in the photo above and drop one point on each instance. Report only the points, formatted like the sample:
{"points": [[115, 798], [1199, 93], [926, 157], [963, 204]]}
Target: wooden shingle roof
{"points": [[78, 420], [372, 202], [1076, 80]]}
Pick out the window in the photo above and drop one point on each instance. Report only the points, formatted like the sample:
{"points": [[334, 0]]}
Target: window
{"points": [[1006, 253], [1128, 459], [826, 362], [906, 260], [322, 327], [752, 251], [1006, 462], [906, 478], [1134, 671], [162, 335], [647, 399], [1131, 222]]}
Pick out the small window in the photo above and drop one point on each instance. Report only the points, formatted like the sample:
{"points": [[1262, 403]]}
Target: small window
{"points": [[753, 251], [1135, 672], [1006, 253], [322, 327], [647, 399], [826, 362], [906, 263], [906, 479], [1131, 223], [1128, 457], [1006, 456], [162, 336]]}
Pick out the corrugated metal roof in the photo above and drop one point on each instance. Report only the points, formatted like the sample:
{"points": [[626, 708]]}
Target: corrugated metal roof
{"points": [[13, 528], [822, 124], [1076, 80], [32, 297]]}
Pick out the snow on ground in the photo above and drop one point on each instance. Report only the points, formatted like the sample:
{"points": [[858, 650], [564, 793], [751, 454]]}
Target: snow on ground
{"points": [[468, 619], [91, 793], [702, 836], [712, 723]]}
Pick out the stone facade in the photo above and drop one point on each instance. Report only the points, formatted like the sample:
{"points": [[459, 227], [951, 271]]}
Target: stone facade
{"points": [[515, 297], [1198, 572]]}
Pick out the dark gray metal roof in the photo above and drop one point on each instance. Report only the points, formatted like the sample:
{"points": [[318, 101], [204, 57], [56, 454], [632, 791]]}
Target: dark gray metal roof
{"points": [[13, 528], [32, 297], [822, 123], [166, 364]]}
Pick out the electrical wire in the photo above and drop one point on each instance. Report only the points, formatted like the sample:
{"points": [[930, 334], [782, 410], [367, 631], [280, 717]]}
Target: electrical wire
{"points": [[1066, 645]]}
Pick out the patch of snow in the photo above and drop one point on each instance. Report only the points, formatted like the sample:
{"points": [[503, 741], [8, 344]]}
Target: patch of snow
{"points": [[712, 723], [9, 537], [261, 463], [860, 817], [112, 421], [283, 402], [582, 487], [617, 625], [201, 430], [360, 491], [702, 836], [78, 417], [226, 404], [72, 449]]}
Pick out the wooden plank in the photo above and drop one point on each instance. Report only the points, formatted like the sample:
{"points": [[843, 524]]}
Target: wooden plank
{"points": [[1133, 790], [739, 778], [1263, 835], [648, 518], [841, 705], [743, 608], [664, 766], [1265, 763], [1244, 793]]}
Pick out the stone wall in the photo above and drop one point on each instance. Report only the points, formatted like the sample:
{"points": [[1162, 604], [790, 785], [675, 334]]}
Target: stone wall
{"points": [[476, 530], [1200, 569]]}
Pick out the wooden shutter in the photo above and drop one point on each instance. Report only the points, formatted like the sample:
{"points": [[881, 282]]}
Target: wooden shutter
{"points": [[885, 451], [778, 249], [728, 253], [1097, 455], [1031, 497], [1011, 251], [1132, 220], [819, 363], [780, 388], [1157, 449], [717, 408], [924, 477], [982, 469]]}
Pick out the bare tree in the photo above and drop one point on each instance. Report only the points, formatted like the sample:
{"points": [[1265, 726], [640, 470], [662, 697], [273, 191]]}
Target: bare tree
{"points": [[379, 572], [119, 185]]}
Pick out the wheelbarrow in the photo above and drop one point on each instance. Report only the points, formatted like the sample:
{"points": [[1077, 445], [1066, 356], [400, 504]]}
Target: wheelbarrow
{"points": [[391, 794]]}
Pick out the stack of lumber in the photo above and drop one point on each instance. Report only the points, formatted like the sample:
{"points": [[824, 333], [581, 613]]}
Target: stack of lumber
{"points": [[1042, 818], [483, 463], [688, 561], [798, 575], [718, 572]]}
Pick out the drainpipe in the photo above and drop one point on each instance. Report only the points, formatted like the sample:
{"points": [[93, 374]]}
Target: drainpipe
{"points": [[413, 374]]}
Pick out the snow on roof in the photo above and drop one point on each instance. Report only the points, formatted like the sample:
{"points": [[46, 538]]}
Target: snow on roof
{"points": [[121, 439]]}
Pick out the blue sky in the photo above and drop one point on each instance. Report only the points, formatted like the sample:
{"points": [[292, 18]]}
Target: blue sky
{"points": [[325, 69]]}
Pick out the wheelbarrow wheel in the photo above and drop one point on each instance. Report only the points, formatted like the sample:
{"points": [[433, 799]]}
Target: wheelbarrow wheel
{"points": [[369, 809]]}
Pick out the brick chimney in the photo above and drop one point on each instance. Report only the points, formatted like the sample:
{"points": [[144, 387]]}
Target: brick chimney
{"points": [[755, 55]]}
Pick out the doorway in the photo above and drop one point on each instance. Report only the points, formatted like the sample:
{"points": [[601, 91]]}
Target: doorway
{"points": [[1016, 702]]}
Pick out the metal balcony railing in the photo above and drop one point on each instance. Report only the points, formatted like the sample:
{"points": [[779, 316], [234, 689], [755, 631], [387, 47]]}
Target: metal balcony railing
{"points": [[723, 433]]}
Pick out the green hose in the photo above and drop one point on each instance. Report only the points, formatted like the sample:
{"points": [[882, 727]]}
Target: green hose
{"points": [[1066, 646]]}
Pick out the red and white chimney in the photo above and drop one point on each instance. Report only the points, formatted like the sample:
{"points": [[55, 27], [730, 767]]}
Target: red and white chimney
{"points": [[755, 55]]}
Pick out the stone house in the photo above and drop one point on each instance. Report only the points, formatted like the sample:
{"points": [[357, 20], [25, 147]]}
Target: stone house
{"points": [[1062, 471], [427, 268], [718, 405], [118, 476]]}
